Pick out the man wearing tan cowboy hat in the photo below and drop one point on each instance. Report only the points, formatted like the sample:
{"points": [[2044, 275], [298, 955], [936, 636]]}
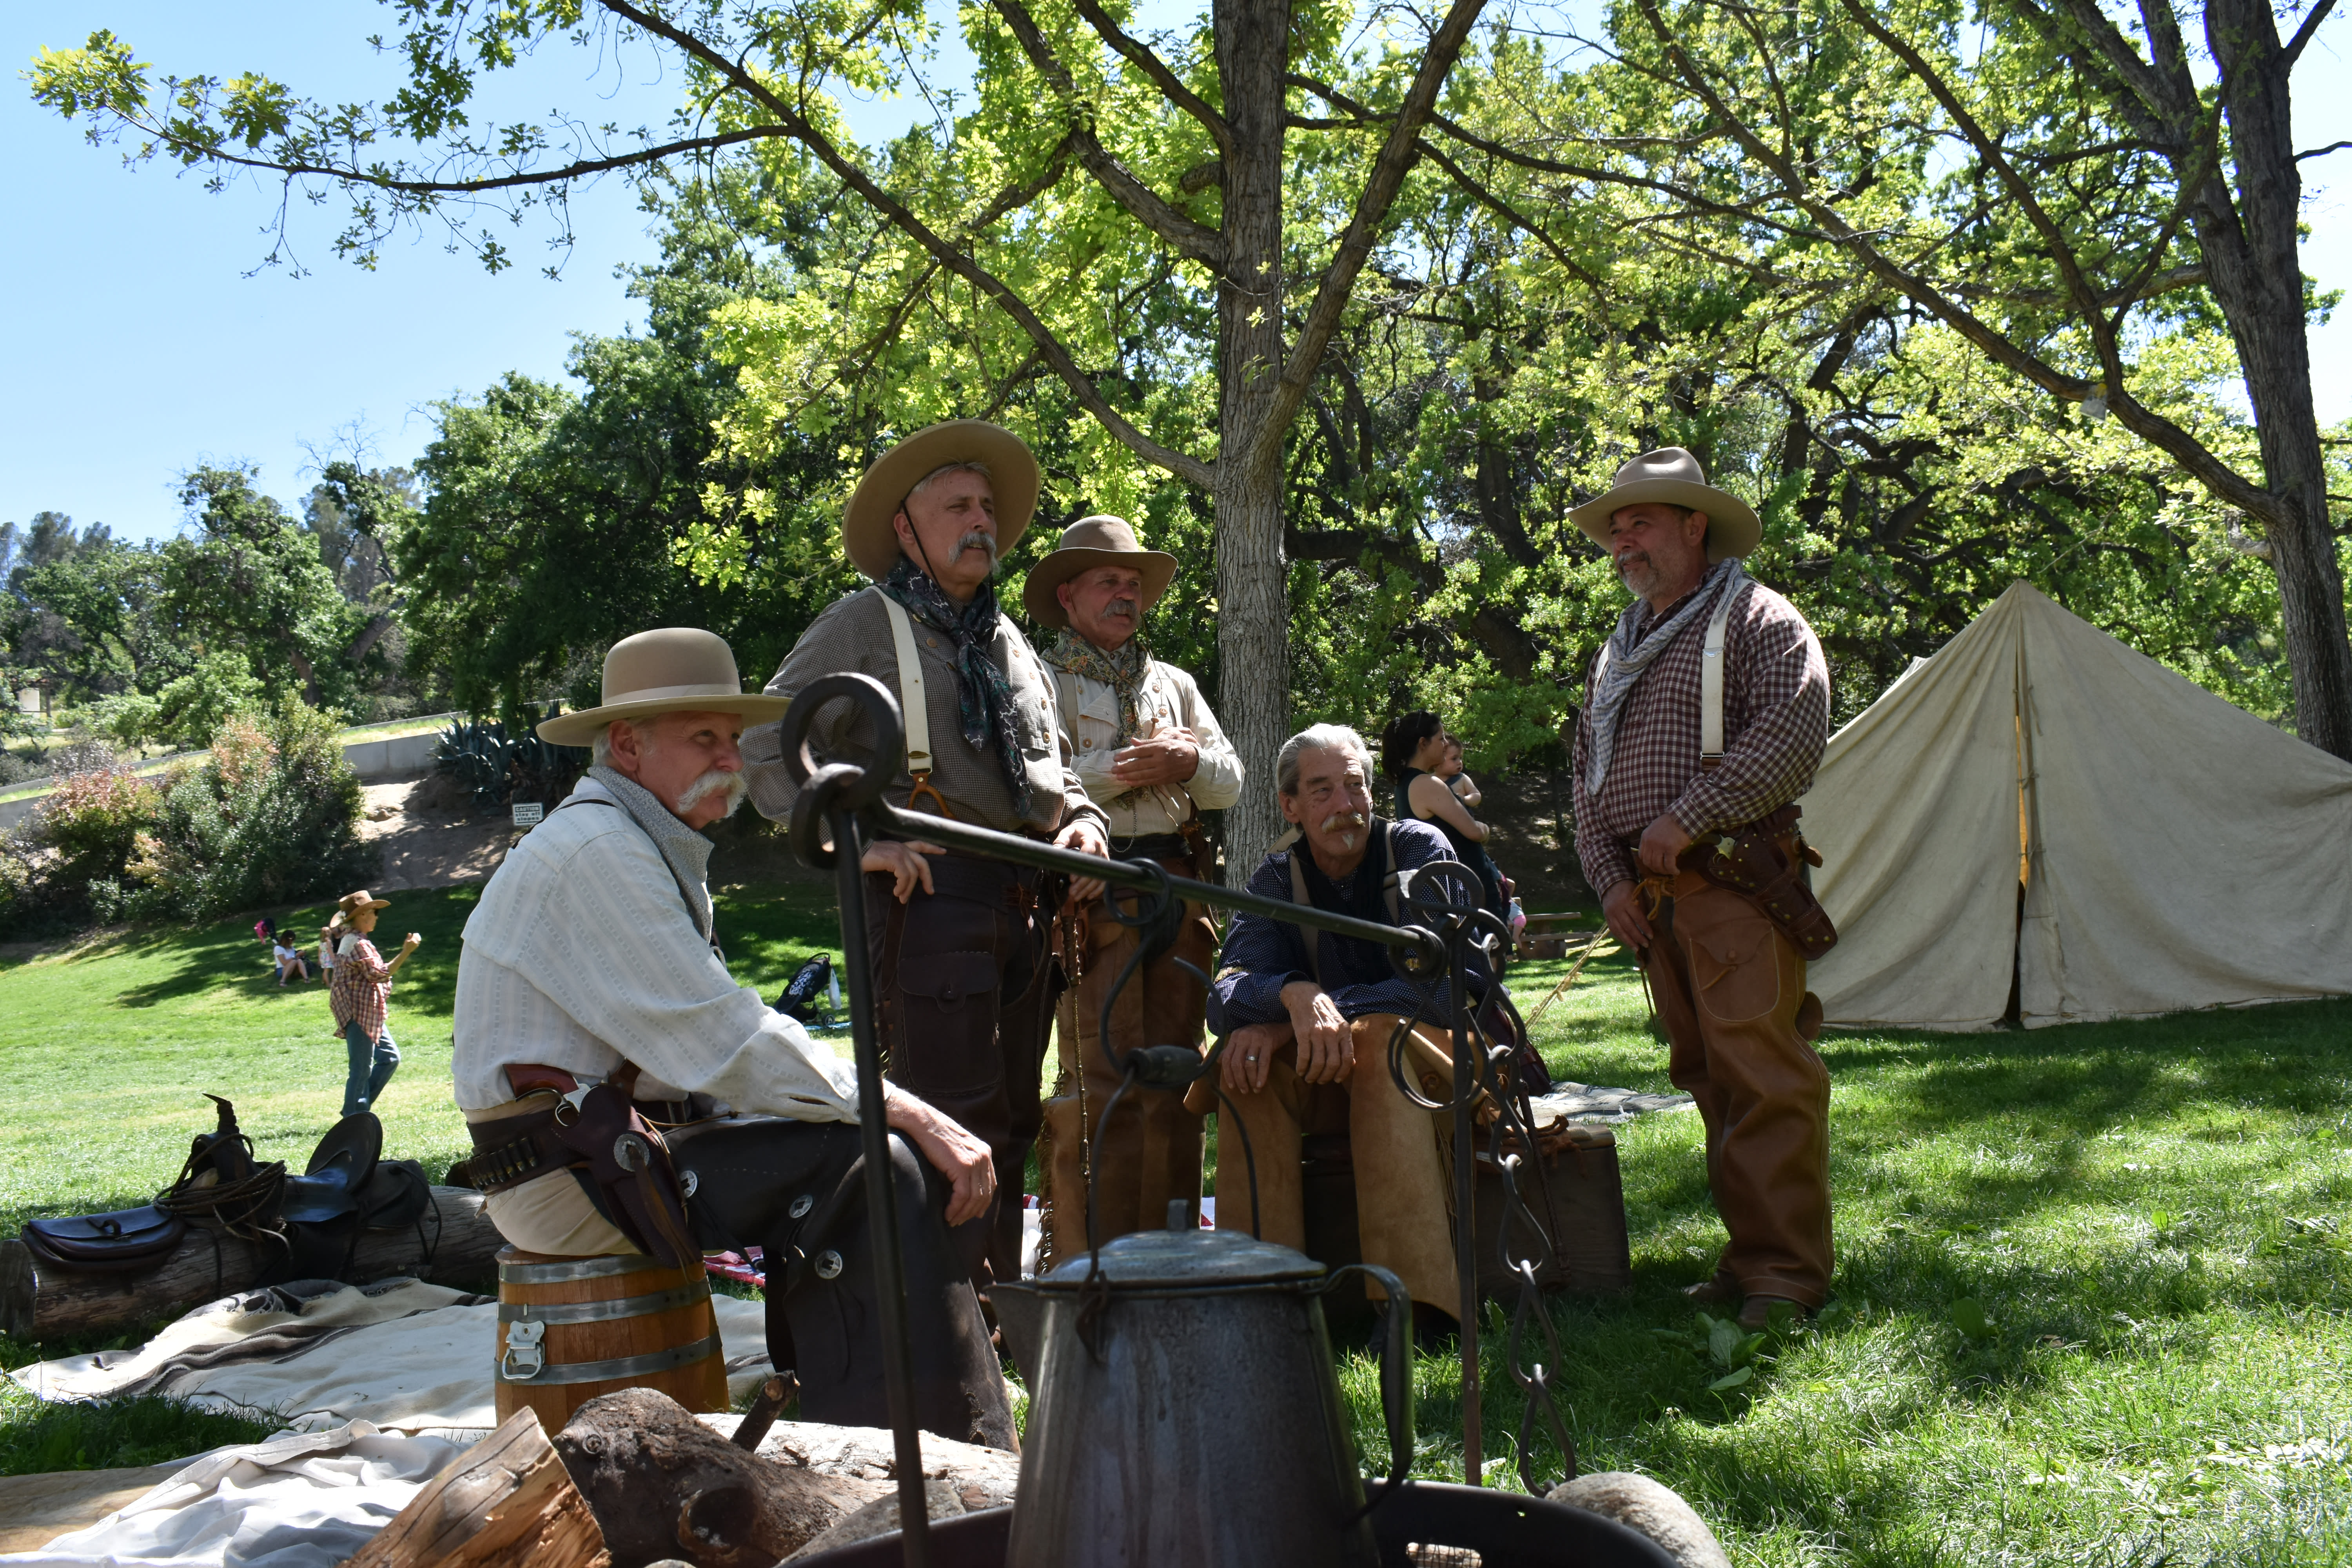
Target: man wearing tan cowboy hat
{"points": [[593, 960], [1654, 771], [1152, 756], [963, 974], [359, 993]]}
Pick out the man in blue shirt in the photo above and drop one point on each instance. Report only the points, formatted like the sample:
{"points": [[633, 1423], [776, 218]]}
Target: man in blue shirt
{"points": [[1310, 1030]]}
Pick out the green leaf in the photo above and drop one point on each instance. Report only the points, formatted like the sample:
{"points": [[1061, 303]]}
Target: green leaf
{"points": [[1723, 1343], [1969, 1317], [1731, 1380]]}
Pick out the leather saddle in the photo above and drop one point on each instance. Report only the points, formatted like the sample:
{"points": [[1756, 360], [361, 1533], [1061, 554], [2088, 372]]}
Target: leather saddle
{"points": [[124, 1242]]}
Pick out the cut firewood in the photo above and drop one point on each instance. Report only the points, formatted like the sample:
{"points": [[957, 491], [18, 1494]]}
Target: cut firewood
{"points": [[40, 1301], [505, 1503], [664, 1485]]}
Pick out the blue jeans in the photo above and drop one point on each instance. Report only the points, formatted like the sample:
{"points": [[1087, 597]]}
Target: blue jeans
{"points": [[372, 1064]]}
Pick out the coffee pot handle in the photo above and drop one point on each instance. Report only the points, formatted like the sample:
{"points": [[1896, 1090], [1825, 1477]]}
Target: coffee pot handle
{"points": [[1396, 1366]]}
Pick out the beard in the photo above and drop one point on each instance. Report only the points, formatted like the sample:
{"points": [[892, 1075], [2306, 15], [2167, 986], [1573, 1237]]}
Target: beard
{"points": [[735, 785], [1638, 573], [1344, 825]]}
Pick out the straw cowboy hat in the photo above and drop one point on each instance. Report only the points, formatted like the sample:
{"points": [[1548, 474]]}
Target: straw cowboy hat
{"points": [[1672, 475], [350, 904], [673, 669], [872, 545], [1087, 543]]}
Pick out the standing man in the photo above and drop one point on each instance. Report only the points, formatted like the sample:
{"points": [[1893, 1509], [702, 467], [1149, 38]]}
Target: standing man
{"points": [[1729, 984], [1151, 755], [963, 973]]}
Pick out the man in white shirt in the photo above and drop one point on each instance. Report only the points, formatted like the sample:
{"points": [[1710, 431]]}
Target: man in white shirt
{"points": [[592, 959], [1151, 754]]}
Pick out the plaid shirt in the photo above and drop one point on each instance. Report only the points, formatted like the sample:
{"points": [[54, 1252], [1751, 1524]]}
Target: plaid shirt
{"points": [[1776, 720], [362, 988]]}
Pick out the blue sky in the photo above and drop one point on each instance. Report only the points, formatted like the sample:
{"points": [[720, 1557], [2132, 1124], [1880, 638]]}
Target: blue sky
{"points": [[139, 347]]}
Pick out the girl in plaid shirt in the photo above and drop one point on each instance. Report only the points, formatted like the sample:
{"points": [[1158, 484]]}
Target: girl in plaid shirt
{"points": [[360, 993]]}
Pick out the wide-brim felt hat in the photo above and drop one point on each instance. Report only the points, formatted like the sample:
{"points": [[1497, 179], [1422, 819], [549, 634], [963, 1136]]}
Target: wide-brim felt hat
{"points": [[671, 669], [350, 904], [1091, 542], [1672, 475], [866, 536]]}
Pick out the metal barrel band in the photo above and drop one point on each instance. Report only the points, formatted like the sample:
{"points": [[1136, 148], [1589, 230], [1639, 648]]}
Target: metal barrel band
{"points": [[560, 1312], [572, 1269], [562, 1372]]}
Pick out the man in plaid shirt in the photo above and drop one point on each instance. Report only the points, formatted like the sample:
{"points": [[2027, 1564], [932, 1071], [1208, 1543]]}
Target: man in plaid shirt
{"points": [[1728, 986]]}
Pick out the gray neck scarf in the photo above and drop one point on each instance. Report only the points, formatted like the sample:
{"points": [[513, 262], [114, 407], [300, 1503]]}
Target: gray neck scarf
{"points": [[686, 851], [1623, 660]]}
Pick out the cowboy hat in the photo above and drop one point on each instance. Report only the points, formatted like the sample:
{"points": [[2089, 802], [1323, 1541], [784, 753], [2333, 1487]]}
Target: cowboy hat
{"points": [[350, 904], [866, 536], [672, 669], [1672, 475], [1087, 543]]}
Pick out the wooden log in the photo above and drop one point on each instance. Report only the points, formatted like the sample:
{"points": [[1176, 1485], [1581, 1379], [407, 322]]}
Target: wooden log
{"points": [[42, 1302], [505, 1503], [664, 1485]]}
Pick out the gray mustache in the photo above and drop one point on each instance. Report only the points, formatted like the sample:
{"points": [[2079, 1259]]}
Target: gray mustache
{"points": [[735, 785]]}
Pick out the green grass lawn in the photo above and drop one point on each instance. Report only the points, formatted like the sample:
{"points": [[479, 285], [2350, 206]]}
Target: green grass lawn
{"points": [[2090, 1285]]}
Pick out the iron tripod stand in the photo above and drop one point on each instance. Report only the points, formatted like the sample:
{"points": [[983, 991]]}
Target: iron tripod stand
{"points": [[840, 806]]}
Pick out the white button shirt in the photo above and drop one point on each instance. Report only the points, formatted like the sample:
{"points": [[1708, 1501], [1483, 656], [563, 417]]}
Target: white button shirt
{"points": [[581, 954]]}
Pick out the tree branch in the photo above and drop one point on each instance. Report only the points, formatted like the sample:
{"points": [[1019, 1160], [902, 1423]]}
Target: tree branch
{"points": [[1371, 208], [1142, 57], [1089, 396], [2303, 34], [1196, 241]]}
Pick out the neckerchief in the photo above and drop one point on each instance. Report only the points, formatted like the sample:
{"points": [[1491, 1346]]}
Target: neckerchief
{"points": [[1629, 657], [684, 850], [1123, 671], [983, 694]]}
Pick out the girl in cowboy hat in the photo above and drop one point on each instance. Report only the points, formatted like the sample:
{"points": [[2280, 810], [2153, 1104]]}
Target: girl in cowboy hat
{"points": [[360, 994]]}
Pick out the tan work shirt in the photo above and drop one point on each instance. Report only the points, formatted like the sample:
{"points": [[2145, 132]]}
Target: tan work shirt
{"points": [[1170, 699], [853, 635]]}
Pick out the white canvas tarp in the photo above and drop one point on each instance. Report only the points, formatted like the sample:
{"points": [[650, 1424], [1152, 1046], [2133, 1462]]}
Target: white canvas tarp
{"points": [[2175, 851]]}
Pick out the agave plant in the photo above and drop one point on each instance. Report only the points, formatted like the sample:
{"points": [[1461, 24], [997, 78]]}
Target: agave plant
{"points": [[498, 768]]}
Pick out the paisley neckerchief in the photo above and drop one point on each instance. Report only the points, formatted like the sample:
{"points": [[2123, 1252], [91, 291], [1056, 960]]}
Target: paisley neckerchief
{"points": [[983, 695], [1123, 671]]}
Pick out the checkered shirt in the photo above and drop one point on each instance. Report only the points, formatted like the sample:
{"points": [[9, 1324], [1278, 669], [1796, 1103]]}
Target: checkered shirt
{"points": [[1776, 720], [362, 988]]}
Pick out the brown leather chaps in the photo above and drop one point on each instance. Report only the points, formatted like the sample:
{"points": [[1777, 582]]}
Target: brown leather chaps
{"points": [[1730, 992]]}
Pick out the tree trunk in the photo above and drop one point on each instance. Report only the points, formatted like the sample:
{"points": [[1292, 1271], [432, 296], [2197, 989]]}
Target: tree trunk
{"points": [[39, 1301], [2256, 274], [1252, 40], [505, 1503]]}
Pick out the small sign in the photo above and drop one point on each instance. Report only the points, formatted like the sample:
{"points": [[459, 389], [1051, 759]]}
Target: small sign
{"points": [[529, 813]]}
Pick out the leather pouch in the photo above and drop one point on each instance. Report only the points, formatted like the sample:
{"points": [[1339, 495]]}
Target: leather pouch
{"points": [[630, 1163], [123, 1241], [1751, 864]]}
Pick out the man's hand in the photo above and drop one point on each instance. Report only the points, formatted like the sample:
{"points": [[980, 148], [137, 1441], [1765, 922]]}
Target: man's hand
{"points": [[1172, 756], [904, 863], [1327, 1045], [1622, 910], [1084, 837], [1661, 842], [1249, 1055], [959, 1156]]}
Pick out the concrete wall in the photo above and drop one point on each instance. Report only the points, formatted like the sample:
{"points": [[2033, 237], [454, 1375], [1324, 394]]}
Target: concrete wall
{"points": [[372, 760]]}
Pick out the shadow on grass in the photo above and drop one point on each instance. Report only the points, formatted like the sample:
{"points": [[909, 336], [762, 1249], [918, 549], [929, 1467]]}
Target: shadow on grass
{"points": [[225, 952]]}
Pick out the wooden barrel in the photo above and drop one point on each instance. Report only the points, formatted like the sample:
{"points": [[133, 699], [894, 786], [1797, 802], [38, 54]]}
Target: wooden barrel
{"points": [[573, 1328]]}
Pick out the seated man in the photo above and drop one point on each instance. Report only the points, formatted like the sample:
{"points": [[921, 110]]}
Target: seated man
{"points": [[1310, 1030], [591, 959]]}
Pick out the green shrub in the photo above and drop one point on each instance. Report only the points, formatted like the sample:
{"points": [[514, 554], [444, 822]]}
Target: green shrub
{"points": [[193, 709], [68, 856], [272, 817], [128, 720]]}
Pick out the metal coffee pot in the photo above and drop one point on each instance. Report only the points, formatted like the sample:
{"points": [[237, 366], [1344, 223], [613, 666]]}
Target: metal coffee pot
{"points": [[1183, 1409]]}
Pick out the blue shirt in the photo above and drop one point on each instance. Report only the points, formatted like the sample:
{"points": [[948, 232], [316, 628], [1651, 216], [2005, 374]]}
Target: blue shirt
{"points": [[1262, 955]]}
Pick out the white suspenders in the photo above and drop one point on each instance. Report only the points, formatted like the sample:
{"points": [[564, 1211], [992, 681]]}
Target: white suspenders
{"points": [[917, 714], [1711, 686]]}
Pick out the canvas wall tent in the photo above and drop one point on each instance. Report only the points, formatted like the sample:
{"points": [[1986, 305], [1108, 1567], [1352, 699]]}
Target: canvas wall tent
{"points": [[2174, 850]]}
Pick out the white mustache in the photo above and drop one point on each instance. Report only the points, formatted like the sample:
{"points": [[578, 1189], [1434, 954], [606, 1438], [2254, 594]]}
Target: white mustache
{"points": [[1119, 608], [981, 539], [735, 785]]}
